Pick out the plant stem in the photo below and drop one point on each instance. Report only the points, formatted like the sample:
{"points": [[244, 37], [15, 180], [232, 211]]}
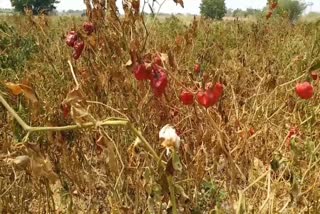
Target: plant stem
{"points": [[106, 122], [172, 194], [13, 113], [84, 125], [144, 141]]}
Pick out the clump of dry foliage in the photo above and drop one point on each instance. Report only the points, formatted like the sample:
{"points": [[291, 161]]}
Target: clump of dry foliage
{"points": [[105, 156]]}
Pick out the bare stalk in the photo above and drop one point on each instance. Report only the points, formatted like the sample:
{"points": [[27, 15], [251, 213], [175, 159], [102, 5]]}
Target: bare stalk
{"points": [[73, 75], [106, 122]]}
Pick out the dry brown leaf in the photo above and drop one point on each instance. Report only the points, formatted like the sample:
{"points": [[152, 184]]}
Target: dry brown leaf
{"points": [[17, 89], [21, 161], [168, 144], [179, 2], [79, 113], [74, 96], [14, 88], [101, 144], [29, 93]]}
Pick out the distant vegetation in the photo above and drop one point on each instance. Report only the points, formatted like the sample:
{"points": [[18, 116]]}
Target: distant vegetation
{"points": [[215, 9], [291, 9], [6, 11], [245, 13], [34, 5]]}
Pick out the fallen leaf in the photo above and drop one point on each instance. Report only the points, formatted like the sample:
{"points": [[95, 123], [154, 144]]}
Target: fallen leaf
{"points": [[29, 93], [15, 88], [79, 113], [74, 96]]}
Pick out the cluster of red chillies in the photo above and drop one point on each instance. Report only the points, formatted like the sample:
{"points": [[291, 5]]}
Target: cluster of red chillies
{"points": [[153, 72], [73, 40], [206, 97]]}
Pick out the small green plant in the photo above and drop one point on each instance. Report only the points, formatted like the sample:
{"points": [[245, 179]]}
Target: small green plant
{"points": [[212, 195], [15, 49]]}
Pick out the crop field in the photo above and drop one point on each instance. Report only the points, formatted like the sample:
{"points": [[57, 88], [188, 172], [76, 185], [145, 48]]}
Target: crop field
{"points": [[82, 102]]}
